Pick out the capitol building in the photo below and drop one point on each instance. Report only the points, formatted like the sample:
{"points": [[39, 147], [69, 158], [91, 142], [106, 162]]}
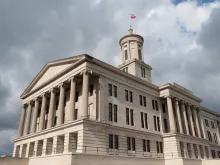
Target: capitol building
{"points": [[80, 110]]}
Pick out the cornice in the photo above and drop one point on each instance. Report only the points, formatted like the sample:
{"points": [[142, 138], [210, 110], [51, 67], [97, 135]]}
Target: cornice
{"points": [[134, 60], [131, 35]]}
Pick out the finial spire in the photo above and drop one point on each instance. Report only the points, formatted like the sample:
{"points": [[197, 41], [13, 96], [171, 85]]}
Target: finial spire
{"points": [[130, 30]]}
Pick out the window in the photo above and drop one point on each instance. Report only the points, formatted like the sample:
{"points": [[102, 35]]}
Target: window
{"points": [[156, 123], [212, 124], [126, 95], [155, 105], [115, 113], [113, 116], [125, 69], [144, 123], [113, 141], [189, 150], [166, 125], [129, 116], [143, 72], [140, 99], [213, 153], [206, 123], [143, 101], [207, 151], [115, 91], [215, 138], [91, 90], [77, 96], [146, 145], [110, 89], [159, 147], [131, 96], [110, 111], [131, 144], [163, 108], [139, 54], [126, 54], [209, 136]]}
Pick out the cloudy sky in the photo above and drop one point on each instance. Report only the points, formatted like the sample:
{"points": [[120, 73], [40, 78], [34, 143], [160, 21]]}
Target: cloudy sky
{"points": [[181, 44]]}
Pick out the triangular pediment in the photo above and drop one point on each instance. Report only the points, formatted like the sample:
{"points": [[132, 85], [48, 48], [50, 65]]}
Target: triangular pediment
{"points": [[51, 70]]}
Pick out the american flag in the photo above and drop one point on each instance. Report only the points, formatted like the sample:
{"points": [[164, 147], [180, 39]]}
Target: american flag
{"points": [[132, 16]]}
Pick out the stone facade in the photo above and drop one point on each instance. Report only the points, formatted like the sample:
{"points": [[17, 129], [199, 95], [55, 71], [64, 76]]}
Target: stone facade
{"points": [[82, 108]]}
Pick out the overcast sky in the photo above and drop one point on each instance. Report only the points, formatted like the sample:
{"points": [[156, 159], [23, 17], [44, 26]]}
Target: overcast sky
{"points": [[181, 44]]}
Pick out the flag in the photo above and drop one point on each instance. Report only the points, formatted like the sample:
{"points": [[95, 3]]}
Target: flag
{"points": [[132, 16]]}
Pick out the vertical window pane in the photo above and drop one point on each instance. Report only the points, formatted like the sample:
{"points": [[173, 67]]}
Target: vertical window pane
{"points": [[116, 141], [110, 111], [131, 97], [132, 117], [140, 99], [153, 104], [145, 102], [110, 89], [148, 145], [128, 143], [110, 141], [161, 147], [115, 113], [158, 123], [126, 95], [144, 145], [158, 149], [146, 123], [156, 105], [139, 54], [133, 144], [142, 119], [115, 91], [155, 123], [127, 116]]}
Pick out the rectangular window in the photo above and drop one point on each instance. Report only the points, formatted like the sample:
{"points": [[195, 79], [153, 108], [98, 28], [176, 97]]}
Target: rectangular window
{"points": [[165, 125], [158, 123], [115, 91], [115, 113], [148, 145], [110, 141], [139, 54], [209, 136], [213, 125], [153, 104], [131, 96], [145, 102], [91, 90], [128, 143], [110, 89], [215, 138], [164, 108], [126, 54], [127, 116], [156, 105], [155, 123], [133, 144], [159, 147], [213, 153], [146, 123], [116, 141], [144, 145], [143, 72], [76, 114], [206, 123], [132, 117], [126, 95], [140, 99], [142, 119], [110, 111]]}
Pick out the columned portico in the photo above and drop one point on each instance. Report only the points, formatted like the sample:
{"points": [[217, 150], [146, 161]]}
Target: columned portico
{"points": [[171, 115]]}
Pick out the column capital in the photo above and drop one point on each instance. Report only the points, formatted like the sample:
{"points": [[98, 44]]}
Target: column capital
{"points": [[63, 84], [176, 100], [53, 90], [73, 78], [86, 71], [44, 94], [188, 104]]}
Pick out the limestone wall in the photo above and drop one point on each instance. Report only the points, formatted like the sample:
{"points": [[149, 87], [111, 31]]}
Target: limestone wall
{"points": [[13, 161]]}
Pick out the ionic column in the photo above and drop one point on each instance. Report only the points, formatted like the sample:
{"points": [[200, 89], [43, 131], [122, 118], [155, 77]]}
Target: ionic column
{"points": [[85, 92], [195, 114], [42, 113], [51, 108], [190, 120], [70, 113], [61, 104], [21, 124], [178, 116], [34, 118], [28, 118], [183, 108], [171, 115]]}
